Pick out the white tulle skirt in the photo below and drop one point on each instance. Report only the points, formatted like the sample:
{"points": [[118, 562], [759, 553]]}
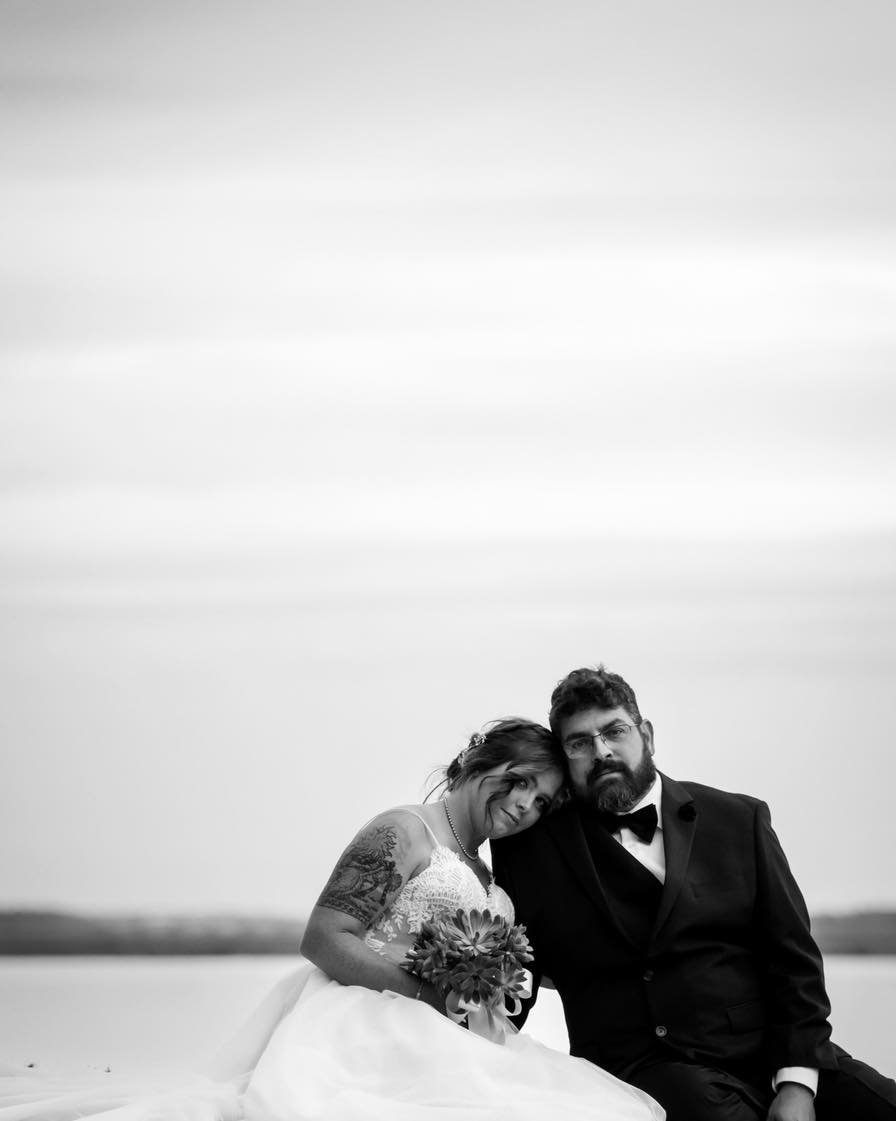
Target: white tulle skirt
{"points": [[316, 1050]]}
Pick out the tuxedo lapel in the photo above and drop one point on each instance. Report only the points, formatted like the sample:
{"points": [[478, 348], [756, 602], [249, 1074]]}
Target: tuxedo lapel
{"points": [[679, 823], [565, 829]]}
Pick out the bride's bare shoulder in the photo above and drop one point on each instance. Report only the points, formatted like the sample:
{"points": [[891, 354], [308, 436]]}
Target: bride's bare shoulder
{"points": [[411, 827], [412, 818]]}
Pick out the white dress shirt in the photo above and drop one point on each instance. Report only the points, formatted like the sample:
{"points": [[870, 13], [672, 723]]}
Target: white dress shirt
{"points": [[653, 857]]}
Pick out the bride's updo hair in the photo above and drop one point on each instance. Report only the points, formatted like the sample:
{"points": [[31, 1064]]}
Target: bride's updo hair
{"points": [[522, 746]]}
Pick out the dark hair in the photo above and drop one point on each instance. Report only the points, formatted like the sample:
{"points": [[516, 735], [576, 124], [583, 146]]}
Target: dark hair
{"points": [[591, 688], [524, 747]]}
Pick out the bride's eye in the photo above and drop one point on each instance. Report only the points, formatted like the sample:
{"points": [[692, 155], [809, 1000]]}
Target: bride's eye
{"points": [[521, 783]]}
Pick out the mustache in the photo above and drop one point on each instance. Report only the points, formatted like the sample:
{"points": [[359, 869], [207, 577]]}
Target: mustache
{"points": [[601, 769]]}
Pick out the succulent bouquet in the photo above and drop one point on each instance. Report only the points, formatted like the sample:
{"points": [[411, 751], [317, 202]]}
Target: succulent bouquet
{"points": [[476, 960]]}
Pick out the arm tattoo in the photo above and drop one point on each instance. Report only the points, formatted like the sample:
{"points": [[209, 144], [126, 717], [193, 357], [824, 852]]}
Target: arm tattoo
{"points": [[365, 876]]}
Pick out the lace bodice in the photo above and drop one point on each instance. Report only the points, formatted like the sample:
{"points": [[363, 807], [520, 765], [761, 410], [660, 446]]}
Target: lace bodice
{"points": [[445, 885]]}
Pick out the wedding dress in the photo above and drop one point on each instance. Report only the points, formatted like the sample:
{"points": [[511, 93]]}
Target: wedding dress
{"points": [[317, 1050]]}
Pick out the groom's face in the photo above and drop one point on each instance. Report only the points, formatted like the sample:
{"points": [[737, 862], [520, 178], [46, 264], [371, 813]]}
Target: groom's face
{"points": [[610, 757]]}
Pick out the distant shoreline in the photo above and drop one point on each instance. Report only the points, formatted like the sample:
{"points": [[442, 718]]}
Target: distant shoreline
{"points": [[25, 933], [858, 932], [32, 933]]}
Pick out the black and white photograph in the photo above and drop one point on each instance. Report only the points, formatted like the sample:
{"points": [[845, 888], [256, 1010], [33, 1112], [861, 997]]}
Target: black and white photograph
{"points": [[447, 560]]}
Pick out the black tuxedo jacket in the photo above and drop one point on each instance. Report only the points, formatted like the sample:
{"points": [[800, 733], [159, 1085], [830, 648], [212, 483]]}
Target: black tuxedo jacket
{"points": [[724, 971]]}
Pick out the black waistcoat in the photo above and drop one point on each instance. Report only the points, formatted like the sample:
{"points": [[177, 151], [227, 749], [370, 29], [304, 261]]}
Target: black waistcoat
{"points": [[632, 891]]}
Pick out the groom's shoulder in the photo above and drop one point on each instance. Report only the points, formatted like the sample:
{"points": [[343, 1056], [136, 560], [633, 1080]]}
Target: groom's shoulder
{"points": [[713, 797], [532, 840]]}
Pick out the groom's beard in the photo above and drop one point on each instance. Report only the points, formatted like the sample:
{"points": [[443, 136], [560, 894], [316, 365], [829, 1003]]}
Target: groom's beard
{"points": [[619, 794]]}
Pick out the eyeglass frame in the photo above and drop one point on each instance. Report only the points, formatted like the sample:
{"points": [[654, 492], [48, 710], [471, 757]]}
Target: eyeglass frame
{"points": [[621, 726]]}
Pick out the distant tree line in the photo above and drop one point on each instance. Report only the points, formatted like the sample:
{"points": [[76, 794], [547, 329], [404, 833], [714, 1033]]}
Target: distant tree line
{"points": [[56, 932], [49, 932]]}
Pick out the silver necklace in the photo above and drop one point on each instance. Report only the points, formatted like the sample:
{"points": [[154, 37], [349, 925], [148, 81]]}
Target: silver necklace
{"points": [[469, 856]]}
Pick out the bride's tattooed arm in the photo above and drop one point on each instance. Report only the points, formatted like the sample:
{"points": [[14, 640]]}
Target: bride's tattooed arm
{"points": [[366, 877], [388, 852]]}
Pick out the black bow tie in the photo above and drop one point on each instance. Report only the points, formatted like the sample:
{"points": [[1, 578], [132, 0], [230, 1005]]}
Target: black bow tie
{"points": [[642, 822]]}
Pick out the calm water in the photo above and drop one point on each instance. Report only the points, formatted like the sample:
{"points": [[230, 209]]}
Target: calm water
{"points": [[135, 1013]]}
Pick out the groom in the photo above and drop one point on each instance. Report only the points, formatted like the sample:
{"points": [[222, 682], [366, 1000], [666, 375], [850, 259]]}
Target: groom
{"points": [[667, 917]]}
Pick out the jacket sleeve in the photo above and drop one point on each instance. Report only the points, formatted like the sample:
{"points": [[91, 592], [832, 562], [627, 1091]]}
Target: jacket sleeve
{"points": [[798, 1032], [502, 865]]}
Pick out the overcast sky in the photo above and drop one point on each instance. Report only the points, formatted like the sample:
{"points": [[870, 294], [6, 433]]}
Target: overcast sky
{"points": [[366, 367]]}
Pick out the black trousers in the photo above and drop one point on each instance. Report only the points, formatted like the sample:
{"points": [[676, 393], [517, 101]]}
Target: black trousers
{"points": [[689, 1092]]}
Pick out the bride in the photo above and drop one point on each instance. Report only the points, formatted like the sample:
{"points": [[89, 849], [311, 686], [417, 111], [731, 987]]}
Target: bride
{"points": [[353, 1036]]}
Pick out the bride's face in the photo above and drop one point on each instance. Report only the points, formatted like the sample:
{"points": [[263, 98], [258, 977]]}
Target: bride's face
{"points": [[522, 799]]}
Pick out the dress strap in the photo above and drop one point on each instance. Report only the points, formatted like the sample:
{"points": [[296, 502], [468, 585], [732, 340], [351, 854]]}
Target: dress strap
{"points": [[441, 845], [435, 840]]}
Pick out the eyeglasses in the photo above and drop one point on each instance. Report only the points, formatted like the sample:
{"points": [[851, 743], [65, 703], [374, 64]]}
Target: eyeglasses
{"points": [[584, 744]]}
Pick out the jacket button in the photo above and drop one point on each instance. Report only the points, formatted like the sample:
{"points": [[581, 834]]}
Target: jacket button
{"points": [[648, 975], [660, 1031]]}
